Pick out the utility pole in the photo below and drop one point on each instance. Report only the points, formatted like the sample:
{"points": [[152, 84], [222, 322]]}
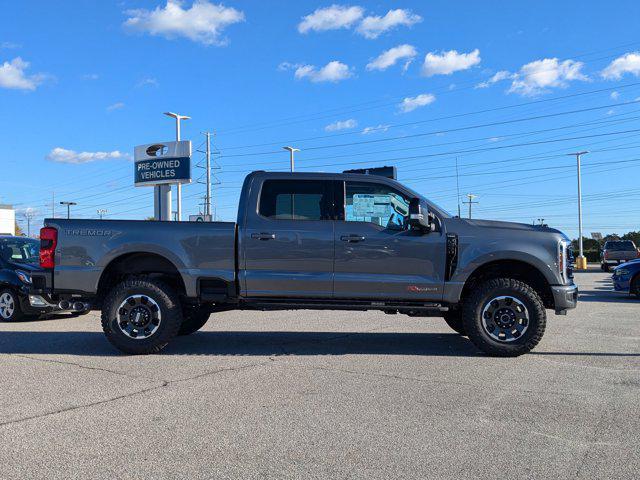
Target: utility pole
{"points": [[101, 212], [291, 150], [207, 200], [28, 214], [68, 204], [470, 202], [581, 261], [458, 188], [178, 118]]}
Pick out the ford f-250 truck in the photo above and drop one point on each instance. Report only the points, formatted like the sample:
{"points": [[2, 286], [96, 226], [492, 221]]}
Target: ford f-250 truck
{"points": [[312, 241]]}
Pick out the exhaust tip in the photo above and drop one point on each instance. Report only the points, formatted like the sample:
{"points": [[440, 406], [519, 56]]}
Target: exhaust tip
{"points": [[78, 307], [64, 305]]}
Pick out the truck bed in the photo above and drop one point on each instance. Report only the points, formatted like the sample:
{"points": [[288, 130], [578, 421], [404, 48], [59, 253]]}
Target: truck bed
{"points": [[86, 247]]}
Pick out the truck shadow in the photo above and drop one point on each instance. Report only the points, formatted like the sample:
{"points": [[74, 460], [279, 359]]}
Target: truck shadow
{"points": [[605, 296], [245, 343]]}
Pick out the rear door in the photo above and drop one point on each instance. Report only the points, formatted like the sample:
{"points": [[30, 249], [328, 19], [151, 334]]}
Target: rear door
{"points": [[288, 242], [377, 255]]}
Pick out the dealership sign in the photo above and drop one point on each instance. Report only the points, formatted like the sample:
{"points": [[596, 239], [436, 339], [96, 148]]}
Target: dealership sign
{"points": [[161, 163]]}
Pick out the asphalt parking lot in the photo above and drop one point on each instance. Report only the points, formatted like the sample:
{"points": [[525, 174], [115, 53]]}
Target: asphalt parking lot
{"points": [[326, 395]]}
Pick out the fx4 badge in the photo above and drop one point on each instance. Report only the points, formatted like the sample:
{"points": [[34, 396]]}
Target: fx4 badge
{"points": [[419, 289]]}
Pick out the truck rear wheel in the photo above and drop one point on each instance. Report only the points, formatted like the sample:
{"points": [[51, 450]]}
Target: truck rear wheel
{"points": [[141, 315], [504, 317], [454, 320], [193, 320]]}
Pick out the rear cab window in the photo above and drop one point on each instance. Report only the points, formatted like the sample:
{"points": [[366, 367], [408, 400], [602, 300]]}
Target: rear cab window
{"points": [[618, 246], [295, 200]]}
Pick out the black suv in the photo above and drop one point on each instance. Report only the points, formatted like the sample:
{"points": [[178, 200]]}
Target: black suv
{"points": [[19, 258]]}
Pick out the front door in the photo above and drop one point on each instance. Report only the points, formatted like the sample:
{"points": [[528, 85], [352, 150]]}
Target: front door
{"points": [[377, 255], [288, 243]]}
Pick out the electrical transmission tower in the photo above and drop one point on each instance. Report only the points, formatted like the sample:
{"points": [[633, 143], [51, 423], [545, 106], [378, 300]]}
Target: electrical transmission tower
{"points": [[210, 176], [470, 202]]}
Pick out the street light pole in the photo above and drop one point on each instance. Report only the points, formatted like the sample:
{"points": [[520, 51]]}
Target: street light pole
{"points": [[101, 212], [178, 118], [68, 204], [581, 261], [291, 161]]}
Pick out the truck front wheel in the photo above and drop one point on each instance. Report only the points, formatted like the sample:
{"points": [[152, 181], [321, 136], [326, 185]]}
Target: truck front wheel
{"points": [[141, 315], [504, 317]]}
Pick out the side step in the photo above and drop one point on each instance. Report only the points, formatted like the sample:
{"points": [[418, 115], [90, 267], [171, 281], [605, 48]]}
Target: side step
{"points": [[417, 308]]}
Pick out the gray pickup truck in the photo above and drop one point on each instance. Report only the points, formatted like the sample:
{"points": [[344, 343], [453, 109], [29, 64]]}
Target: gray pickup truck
{"points": [[312, 241]]}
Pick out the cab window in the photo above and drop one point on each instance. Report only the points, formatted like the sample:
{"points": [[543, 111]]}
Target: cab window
{"points": [[294, 200], [376, 203]]}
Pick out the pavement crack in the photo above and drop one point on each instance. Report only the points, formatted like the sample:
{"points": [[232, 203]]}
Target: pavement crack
{"points": [[86, 405], [73, 364]]}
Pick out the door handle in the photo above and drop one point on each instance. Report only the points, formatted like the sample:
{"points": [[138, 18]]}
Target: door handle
{"points": [[263, 236], [352, 238]]}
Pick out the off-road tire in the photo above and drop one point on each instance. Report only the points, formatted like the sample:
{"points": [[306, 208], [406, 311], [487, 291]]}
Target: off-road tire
{"points": [[454, 320], [193, 319], [170, 310], [17, 313], [474, 304]]}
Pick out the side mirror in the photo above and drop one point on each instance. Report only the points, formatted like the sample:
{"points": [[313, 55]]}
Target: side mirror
{"points": [[418, 219]]}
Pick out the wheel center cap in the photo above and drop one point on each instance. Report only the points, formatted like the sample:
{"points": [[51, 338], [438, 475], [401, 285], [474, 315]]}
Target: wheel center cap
{"points": [[505, 317], [139, 316]]}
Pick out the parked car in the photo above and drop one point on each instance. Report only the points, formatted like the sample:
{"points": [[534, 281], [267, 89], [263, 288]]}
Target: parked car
{"points": [[313, 241], [616, 252], [19, 259], [626, 278]]}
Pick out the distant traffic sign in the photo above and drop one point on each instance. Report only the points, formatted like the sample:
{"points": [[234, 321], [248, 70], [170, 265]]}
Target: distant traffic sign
{"points": [[161, 163]]}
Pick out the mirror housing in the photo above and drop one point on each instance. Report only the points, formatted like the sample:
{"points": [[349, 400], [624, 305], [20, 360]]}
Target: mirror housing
{"points": [[418, 218]]}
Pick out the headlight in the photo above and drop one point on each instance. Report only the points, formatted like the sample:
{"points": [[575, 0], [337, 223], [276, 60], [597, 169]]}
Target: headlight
{"points": [[622, 272], [23, 276], [562, 259]]}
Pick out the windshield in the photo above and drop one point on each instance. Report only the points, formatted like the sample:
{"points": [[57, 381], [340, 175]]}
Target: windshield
{"points": [[618, 246], [20, 250]]}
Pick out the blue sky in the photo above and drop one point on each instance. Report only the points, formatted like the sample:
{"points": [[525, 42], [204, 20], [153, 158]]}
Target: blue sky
{"points": [[413, 84]]}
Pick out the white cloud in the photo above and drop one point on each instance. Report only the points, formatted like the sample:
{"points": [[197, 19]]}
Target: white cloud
{"points": [[203, 22], [332, 72], [497, 77], [62, 155], [341, 125], [148, 82], [411, 103], [374, 26], [115, 106], [331, 18], [377, 128], [13, 75], [615, 95], [9, 45], [448, 62], [537, 77], [90, 76], [390, 57], [627, 63]]}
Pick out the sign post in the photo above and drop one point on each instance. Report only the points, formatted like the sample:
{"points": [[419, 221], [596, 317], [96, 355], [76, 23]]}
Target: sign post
{"points": [[162, 165]]}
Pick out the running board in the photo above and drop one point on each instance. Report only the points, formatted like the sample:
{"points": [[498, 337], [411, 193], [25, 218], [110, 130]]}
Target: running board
{"points": [[333, 304]]}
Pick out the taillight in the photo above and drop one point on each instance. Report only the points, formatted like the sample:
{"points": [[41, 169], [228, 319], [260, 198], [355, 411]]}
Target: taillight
{"points": [[48, 242], [606, 254]]}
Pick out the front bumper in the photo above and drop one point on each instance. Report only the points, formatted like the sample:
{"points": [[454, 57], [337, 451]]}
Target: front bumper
{"points": [[621, 283], [565, 297]]}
